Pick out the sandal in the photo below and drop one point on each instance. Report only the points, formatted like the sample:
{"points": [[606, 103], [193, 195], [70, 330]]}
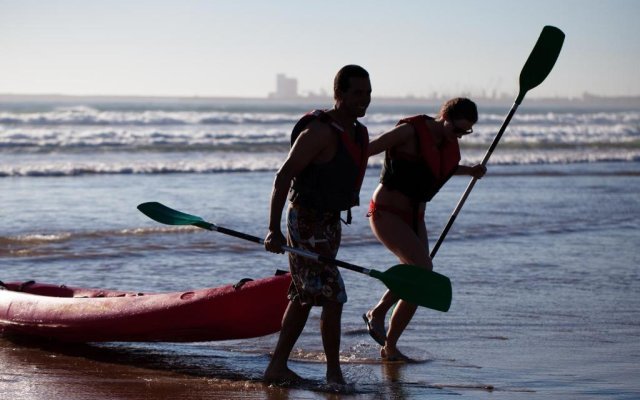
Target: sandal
{"points": [[379, 337]]}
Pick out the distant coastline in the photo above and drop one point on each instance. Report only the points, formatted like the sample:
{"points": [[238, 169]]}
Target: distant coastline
{"points": [[587, 100]]}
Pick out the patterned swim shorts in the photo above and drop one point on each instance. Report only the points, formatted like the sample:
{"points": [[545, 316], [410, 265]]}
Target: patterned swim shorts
{"points": [[314, 282]]}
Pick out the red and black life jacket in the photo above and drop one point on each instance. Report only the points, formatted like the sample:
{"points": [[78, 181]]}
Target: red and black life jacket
{"points": [[333, 185], [421, 178]]}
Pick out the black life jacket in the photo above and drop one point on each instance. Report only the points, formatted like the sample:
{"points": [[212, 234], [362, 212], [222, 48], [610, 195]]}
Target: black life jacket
{"points": [[420, 179], [333, 185]]}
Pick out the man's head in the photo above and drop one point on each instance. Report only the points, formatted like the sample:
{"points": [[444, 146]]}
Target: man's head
{"points": [[341, 83], [352, 90]]}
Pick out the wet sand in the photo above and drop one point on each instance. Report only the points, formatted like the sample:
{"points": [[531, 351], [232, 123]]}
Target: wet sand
{"points": [[37, 370], [31, 372]]}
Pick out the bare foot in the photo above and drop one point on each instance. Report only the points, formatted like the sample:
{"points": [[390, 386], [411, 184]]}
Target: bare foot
{"points": [[284, 377], [335, 378], [388, 353], [337, 384]]}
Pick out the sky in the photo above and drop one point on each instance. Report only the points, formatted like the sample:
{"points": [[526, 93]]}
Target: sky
{"points": [[236, 47]]}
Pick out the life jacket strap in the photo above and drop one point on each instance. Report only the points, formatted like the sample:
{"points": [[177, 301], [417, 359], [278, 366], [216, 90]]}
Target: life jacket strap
{"points": [[349, 218]]}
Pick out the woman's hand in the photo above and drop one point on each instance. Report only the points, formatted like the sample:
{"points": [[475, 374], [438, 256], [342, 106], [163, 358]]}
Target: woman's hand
{"points": [[477, 171]]}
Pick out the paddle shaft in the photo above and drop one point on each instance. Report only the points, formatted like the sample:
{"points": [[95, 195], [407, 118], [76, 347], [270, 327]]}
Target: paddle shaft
{"points": [[300, 252], [535, 70], [473, 181]]}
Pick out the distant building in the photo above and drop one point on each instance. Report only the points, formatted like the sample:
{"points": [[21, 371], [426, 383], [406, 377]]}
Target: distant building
{"points": [[286, 88]]}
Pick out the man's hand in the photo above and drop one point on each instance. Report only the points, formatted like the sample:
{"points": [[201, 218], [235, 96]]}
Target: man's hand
{"points": [[274, 241]]}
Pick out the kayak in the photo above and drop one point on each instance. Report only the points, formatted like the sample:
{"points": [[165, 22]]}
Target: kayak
{"points": [[68, 314]]}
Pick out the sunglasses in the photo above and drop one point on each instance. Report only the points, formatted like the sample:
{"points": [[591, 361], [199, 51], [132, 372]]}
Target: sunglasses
{"points": [[459, 131]]}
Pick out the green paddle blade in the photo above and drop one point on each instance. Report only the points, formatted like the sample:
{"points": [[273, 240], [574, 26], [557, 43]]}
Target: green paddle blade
{"points": [[417, 285], [541, 60], [168, 216]]}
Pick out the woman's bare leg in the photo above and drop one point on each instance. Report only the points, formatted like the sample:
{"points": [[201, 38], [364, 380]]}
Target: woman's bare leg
{"points": [[399, 237]]}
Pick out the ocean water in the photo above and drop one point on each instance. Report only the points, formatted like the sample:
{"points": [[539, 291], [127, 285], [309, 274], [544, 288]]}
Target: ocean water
{"points": [[543, 257]]}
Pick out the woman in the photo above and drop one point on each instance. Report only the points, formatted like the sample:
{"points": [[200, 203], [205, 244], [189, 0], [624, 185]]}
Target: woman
{"points": [[422, 153]]}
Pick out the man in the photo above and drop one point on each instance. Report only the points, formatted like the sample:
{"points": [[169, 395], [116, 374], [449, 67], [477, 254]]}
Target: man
{"points": [[323, 172]]}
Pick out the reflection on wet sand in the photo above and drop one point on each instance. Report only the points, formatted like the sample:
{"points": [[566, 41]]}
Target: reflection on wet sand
{"points": [[393, 374], [37, 370]]}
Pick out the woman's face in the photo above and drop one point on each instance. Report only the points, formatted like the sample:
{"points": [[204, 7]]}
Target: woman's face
{"points": [[458, 128]]}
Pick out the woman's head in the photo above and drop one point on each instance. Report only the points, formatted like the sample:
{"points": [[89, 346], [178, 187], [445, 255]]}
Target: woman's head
{"points": [[459, 108], [460, 114]]}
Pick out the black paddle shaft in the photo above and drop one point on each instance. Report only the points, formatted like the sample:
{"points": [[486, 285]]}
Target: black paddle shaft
{"points": [[471, 184], [301, 252], [534, 72], [413, 284]]}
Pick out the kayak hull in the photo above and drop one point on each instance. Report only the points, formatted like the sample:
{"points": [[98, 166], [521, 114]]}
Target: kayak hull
{"points": [[69, 314]]}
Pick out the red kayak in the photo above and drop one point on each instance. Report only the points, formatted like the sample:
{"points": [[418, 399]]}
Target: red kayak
{"points": [[245, 310]]}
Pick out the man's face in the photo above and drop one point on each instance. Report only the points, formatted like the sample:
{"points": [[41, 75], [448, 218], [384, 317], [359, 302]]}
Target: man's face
{"points": [[357, 98]]}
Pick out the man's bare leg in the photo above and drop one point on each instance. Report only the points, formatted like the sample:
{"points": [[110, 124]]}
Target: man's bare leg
{"points": [[293, 322]]}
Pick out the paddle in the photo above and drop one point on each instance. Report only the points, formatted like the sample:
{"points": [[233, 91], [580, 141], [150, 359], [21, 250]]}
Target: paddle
{"points": [[411, 283], [535, 70]]}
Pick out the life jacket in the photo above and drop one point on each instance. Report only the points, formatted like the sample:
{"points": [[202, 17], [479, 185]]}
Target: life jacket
{"points": [[421, 178], [333, 185]]}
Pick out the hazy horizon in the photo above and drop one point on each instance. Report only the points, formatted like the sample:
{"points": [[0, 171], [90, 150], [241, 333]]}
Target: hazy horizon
{"points": [[585, 97], [235, 49]]}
